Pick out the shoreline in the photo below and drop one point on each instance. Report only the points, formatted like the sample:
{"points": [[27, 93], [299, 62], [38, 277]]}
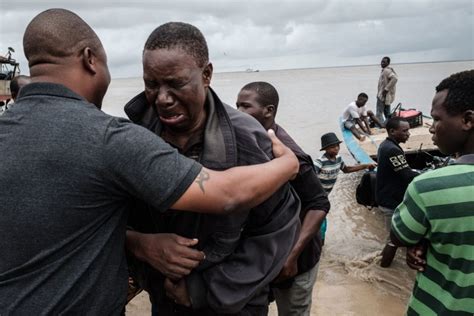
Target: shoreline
{"points": [[323, 67]]}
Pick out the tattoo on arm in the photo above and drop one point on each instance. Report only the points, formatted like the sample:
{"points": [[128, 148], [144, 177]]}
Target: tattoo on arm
{"points": [[201, 178]]}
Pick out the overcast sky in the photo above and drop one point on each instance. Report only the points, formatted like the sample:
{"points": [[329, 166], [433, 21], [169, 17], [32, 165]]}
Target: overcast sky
{"points": [[265, 34]]}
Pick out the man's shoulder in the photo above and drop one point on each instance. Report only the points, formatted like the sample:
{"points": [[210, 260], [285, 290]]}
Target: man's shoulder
{"points": [[249, 133], [286, 139], [388, 146], [389, 71], [81, 114], [351, 105], [446, 176]]}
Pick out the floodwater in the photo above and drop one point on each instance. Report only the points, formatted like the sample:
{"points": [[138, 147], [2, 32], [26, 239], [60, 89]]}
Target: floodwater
{"points": [[350, 281]]}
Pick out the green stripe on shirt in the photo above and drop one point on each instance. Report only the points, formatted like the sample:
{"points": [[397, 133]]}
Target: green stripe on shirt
{"points": [[439, 206]]}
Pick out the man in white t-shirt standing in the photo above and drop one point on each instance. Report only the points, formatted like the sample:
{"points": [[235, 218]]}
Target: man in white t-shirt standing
{"points": [[356, 114]]}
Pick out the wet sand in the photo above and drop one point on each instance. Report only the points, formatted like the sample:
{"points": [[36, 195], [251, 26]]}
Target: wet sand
{"points": [[350, 281]]}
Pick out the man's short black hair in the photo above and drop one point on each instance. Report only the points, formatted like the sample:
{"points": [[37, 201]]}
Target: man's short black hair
{"points": [[55, 34], [180, 35], [363, 94], [387, 58], [394, 123], [267, 94], [460, 88]]}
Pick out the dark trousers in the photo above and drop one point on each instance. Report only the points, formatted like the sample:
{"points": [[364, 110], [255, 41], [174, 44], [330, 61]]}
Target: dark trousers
{"points": [[383, 110]]}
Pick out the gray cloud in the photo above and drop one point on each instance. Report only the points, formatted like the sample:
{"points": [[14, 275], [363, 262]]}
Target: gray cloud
{"points": [[270, 34]]}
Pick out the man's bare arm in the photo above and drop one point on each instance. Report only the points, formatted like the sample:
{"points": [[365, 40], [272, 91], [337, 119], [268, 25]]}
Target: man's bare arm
{"points": [[366, 124], [311, 226], [239, 187], [349, 169], [361, 124]]}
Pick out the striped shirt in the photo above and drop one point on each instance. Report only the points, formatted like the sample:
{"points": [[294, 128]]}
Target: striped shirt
{"points": [[439, 206], [328, 170]]}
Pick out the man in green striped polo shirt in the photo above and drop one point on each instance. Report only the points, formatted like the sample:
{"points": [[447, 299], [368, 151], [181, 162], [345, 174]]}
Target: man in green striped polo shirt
{"points": [[438, 207]]}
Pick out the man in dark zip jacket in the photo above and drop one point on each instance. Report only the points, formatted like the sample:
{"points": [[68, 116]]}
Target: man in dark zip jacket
{"points": [[244, 251]]}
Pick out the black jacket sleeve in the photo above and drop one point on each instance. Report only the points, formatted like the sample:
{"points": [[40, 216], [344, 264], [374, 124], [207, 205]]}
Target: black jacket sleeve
{"points": [[309, 189]]}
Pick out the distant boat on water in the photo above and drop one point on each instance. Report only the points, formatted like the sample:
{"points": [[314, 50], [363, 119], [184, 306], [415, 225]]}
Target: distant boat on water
{"points": [[251, 70]]}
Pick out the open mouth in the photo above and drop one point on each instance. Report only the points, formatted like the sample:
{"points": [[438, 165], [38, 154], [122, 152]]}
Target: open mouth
{"points": [[171, 119]]}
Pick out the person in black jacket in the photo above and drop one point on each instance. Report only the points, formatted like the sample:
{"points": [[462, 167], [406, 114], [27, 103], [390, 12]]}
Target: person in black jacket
{"points": [[245, 251], [393, 176], [294, 286]]}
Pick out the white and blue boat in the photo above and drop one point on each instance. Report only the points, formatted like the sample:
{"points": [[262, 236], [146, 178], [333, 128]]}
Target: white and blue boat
{"points": [[419, 149]]}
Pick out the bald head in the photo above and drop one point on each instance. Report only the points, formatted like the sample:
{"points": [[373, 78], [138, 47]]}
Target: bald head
{"points": [[61, 48], [56, 34]]}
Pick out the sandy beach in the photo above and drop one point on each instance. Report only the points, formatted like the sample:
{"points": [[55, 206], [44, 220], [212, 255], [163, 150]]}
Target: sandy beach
{"points": [[350, 281]]}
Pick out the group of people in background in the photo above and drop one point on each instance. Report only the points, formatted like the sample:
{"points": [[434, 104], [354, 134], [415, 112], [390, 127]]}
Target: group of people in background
{"points": [[358, 119], [191, 199]]}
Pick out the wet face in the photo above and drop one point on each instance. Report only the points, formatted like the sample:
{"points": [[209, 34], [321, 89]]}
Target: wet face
{"points": [[176, 86], [402, 133], [247, 102], [361, 101], [450, 132], [384, 63], [332, 150]]}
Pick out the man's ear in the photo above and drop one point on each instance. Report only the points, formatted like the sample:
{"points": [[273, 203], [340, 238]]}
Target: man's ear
{"points": [[269, 111], [89, 60], [468, 120], [207, 74]]}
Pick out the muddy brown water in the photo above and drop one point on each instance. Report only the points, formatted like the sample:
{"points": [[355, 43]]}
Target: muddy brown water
{"points": [[350, 281]]}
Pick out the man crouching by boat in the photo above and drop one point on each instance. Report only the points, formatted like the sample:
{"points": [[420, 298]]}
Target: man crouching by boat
{"points": [[393, 176], [356, 114]]}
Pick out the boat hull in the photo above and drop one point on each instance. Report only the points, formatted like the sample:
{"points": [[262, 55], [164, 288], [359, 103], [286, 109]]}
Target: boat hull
{"points": [[419, 149]]}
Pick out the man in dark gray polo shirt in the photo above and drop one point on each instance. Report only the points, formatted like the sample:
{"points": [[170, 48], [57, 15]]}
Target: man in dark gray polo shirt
{"points": [[69, 172]]}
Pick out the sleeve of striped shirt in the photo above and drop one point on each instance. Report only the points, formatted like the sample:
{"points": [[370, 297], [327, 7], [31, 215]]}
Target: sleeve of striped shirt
{"points": [[409, 222], [343, 164], [317, 165]]}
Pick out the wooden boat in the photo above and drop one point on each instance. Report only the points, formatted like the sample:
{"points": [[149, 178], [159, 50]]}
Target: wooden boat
{"points": [[419, 148]]}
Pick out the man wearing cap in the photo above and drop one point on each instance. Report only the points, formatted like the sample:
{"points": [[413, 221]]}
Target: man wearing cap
{"points": [[328, 165], [294, 285]]}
